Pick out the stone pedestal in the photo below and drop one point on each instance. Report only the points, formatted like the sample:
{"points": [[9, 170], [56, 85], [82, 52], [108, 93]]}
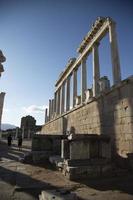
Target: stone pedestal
{"points": [[104, 84], [77, 100], [88, 94]]}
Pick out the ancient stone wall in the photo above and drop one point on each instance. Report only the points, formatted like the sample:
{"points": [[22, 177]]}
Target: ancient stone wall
{"points": [[110, 113], [53, 127]]}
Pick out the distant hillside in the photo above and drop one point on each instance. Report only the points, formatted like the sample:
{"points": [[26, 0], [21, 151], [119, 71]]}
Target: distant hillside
{"points": [[7, 126]]}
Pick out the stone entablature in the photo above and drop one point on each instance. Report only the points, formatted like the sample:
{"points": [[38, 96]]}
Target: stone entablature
{"points": [[61, 101], [97, 25]]}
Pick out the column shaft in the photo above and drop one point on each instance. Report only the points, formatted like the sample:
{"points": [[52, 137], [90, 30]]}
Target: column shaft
{"points": [[58, 102], [49, 109], [46, 115], [96, 70], [62, 97], [83, 79], [74, 86], [114, 54], [55, 96], [52, 108], [68, 93]]}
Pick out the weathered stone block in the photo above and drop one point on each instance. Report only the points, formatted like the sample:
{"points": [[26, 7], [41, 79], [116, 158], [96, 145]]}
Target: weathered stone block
{"points": [[57, 195]]}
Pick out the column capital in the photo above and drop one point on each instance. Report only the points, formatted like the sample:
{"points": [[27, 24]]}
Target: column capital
{"points": [[96, 44], [84, 59]]}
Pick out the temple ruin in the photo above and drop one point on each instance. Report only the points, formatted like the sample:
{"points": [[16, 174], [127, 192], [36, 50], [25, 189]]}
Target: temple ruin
{"points": [[99, 126]]}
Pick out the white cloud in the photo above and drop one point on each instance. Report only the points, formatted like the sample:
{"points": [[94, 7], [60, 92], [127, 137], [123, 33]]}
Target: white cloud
{"points": [[34, 109], [5, 110]]}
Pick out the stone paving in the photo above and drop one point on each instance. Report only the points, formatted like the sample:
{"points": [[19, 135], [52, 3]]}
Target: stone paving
{"points": [[20, 181]]}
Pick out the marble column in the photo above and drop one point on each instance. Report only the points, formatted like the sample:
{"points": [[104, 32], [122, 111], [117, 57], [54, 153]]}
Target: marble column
{"points": [[83, 79], [68, 93], [55, 96], [62, 97], [46, 115], [74, 86], [2, 96], [114, 54], [49, 109], [52, 108], [96, 69], [58, 101]]}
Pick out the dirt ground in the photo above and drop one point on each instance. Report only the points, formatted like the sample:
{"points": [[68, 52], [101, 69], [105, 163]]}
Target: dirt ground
{"points": [[20, 181]]}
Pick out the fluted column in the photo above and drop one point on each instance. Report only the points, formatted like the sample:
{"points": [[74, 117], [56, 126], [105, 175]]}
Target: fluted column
{"points": [[74, 86], [62, 97], [83, 79], [114, 54], [96, 69], [68, 93], [46, 115]]}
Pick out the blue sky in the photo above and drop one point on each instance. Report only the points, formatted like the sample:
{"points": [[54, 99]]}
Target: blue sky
{"points": [[38, 38]]}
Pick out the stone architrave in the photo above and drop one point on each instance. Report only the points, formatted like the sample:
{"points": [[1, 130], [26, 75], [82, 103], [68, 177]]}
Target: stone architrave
{"points": [[62, 97], [114, 54], [74, 86], [96, 69], [68, 93], [83, 79]]}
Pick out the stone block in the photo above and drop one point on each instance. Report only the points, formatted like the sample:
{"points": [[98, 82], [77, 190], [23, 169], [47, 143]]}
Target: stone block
{"points": [[58, 195], [41, 156], [129, 136], [79, 150]]}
